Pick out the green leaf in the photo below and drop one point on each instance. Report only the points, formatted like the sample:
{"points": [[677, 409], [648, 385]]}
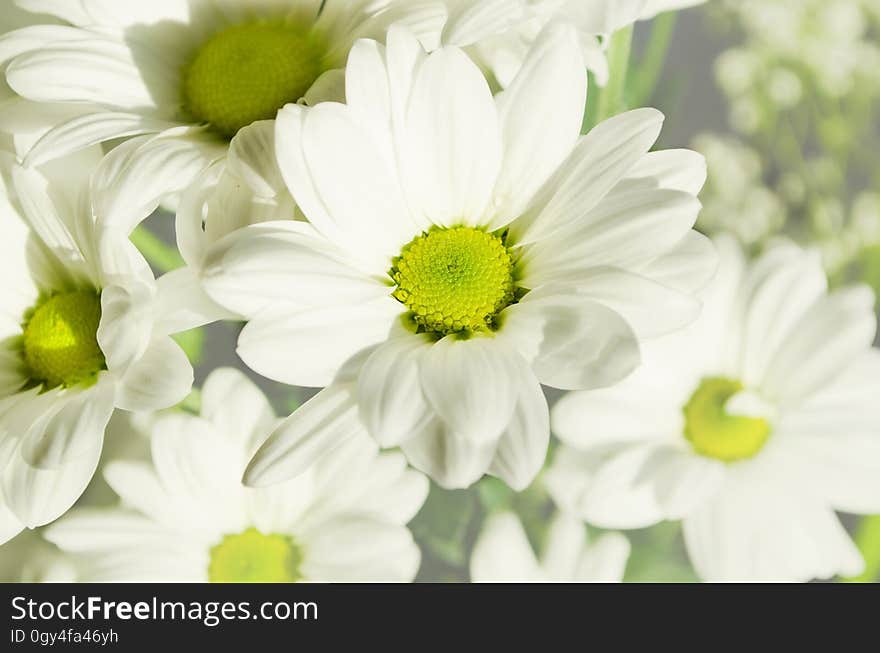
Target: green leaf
{"points": [[868, 540]]}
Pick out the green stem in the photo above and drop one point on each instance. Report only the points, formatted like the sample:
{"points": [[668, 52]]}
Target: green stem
{"points": [[651, 64], [613, 98], [193, 402], [868, 540], [162, 256]]}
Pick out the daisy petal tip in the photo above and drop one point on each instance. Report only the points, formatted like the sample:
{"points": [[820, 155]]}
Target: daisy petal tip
{"points": [[260, 473]]}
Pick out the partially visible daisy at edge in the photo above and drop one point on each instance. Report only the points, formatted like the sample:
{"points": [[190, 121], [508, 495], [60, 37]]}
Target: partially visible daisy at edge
{"points": [[461, 250], [179, 79], [23, 123], [503, 553], [499, 33], [184, 516], [85, 330], [753, 426]]}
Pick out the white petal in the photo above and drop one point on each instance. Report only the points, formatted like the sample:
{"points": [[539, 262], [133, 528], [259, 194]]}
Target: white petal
{"points": [[182, 303], [10, 526], [472, 385], [39, 496], [564, 543], [139, 487], [356, 185], [502, 553], [650, 308], [110, 12], [140, 174], [392, 404], [600, 160], [687, 267], [682, 480], [637, 409], [758, 531], [13, 372], [264, 265], [833, 333], [88, 130], [781, 286], [162, 377], [51, 222], [602, 16], [368, 91], [604, 487], [471, 22], [90, 529], [451, 461], [73, 428], [316, 428], [523, 446], [623, 231], [252, 158], [97, 69], [354, 549], [200, 470], [541, 115], [126, 323], [572, 343], [235, 404], [308, 347], [605, 560], [833, 439], [683, 170], [452, 143]]}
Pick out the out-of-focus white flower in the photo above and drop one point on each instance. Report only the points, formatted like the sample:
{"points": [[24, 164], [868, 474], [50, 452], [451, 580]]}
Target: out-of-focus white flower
{"points": [[85, 329], [752, 426], [503, 554], [28, 558], [462, 249], [186, 517], [498, 34]]}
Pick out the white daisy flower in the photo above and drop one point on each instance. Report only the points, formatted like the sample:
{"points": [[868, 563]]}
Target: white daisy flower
{"points": [[503, 554], [186, 517], [462, 249], [85, 329], [499, 33], [753, 426], [192, 72]]}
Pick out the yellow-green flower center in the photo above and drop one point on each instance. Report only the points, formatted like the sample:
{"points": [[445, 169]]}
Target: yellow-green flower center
{"points": [[60, 339], [252, 557], [455, 280], [247, 72], [715, 433]]}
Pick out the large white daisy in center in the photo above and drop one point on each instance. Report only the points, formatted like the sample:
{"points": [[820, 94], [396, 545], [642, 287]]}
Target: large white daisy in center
{"points": [[461, 250]]}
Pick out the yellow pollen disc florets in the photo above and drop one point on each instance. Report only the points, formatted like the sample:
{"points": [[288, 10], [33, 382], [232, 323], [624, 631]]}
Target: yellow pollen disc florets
{"points": [[248, 72], [252, 557], [455, 280], [715, 433], [60, 340]]}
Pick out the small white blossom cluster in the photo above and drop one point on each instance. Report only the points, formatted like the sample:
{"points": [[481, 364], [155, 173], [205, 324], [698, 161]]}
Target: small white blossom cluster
{"points": [[397, 202]]}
